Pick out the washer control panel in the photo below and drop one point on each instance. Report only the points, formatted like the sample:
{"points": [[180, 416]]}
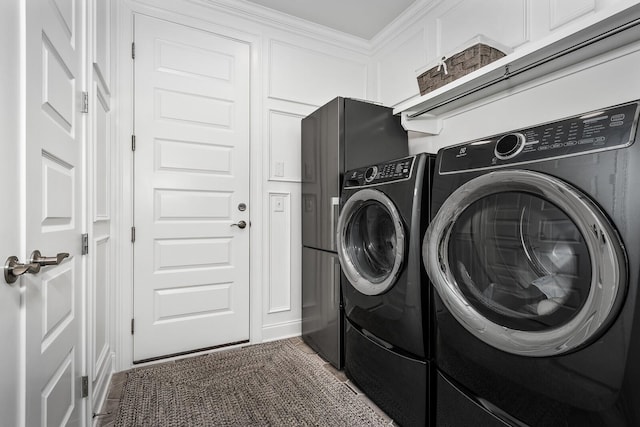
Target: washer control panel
{"points": [[393, 170], [605, 129]]}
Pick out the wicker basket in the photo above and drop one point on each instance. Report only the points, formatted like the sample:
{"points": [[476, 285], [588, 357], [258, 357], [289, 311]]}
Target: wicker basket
{"points": [[457, 65]]}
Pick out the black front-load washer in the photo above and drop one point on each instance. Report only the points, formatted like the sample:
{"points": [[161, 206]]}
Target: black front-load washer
{"points": [[534, 254], [387, 297]]}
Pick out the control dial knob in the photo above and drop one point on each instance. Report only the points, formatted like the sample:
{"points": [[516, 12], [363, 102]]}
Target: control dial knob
{"points": [[370, 174], [509, 145]]}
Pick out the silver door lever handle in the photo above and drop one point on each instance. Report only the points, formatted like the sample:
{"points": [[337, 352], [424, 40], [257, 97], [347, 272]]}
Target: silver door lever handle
{"points": [[36, 257], [240, 224], [14, 269]]}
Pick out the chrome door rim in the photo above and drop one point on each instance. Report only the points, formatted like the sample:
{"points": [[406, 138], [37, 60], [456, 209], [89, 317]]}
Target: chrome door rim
{"points": [[348, 267], [605, 250]]}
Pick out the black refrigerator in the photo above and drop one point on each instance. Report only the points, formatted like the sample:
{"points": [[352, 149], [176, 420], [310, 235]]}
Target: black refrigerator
{"points": [[343, 134]]}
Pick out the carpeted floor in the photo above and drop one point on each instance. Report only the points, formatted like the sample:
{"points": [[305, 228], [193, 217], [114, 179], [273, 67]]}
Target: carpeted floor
{"points": [[280, 383]]}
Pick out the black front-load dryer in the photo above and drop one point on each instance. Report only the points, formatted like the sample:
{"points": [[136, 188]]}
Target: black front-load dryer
{"points": [[534, 254], [387, 296]]}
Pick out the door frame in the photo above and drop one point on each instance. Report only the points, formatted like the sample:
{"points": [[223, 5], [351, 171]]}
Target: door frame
{"points": [[123, 182]]}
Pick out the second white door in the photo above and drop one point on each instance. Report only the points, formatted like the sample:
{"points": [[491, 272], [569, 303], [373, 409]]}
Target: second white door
{"points": [[191, 253]]}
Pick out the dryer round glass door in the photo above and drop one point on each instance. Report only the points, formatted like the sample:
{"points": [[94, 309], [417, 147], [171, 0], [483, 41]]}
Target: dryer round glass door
{"points": [[371, 241], [526, 262]]}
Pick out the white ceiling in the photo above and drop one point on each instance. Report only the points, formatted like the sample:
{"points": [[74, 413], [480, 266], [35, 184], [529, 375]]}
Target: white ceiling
{"points": [[361, 18]]}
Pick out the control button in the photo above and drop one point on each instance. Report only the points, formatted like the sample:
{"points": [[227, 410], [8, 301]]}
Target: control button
{"points": [[556, 145], [586, 141], [371, 173], [509, 145]]}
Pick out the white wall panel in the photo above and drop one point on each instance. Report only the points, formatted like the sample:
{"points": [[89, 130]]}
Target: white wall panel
{"points": [[101, 302], [284, 146], [563, 11], [279, 254], [504, 21], [302, 75], [396, 68]]}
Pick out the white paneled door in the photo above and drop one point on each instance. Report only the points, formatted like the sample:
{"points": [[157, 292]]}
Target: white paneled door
{"points": [[191, 253], [54, 210]]}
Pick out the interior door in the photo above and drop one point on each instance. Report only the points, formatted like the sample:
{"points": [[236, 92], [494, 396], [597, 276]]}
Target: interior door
{"points": [[191, 251], [55, 43]]}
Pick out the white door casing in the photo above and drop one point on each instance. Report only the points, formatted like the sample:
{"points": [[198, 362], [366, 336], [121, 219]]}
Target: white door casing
{"points": [[191, 264], [55, 43], [100, 188]]}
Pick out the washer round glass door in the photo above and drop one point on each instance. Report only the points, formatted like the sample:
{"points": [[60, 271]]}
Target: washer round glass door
{"points": [[526, 262], [371, 241]]}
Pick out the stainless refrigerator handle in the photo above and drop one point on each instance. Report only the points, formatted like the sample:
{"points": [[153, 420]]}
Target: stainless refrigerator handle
{"points": [[335, 205]]}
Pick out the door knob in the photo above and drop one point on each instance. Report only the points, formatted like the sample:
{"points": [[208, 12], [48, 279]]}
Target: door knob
{"points": [[240, 224], [14, 269]]}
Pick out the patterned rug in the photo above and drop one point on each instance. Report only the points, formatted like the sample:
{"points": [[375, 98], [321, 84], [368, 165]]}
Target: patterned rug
{"points": [[271, 384]]}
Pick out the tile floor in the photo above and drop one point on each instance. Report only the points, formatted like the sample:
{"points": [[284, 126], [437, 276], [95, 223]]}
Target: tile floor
{"points": [[106, 417]]}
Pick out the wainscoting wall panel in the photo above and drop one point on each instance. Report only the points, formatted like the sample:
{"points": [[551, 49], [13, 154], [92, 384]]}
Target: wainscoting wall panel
{"points": [[279, 252], [299, 74], [284, 146], [564, 11]]}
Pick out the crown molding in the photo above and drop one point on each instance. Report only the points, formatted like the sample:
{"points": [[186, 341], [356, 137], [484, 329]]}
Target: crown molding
{"points": [[282, 21], [413, 14]]}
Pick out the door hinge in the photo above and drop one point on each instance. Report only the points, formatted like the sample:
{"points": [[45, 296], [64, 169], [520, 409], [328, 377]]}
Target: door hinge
{"points": [[133, 51], [85, 387], [133, 234], [85, 102], [132, 326], [85, 244], [133, 143]]}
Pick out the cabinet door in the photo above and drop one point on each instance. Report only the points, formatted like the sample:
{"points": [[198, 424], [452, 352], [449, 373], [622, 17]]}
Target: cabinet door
{"points": [[321, 315], [321, 175]]}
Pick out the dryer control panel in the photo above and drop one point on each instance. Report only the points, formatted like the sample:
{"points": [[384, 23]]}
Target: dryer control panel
{"points": [[393, 170], [605, 129]]}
